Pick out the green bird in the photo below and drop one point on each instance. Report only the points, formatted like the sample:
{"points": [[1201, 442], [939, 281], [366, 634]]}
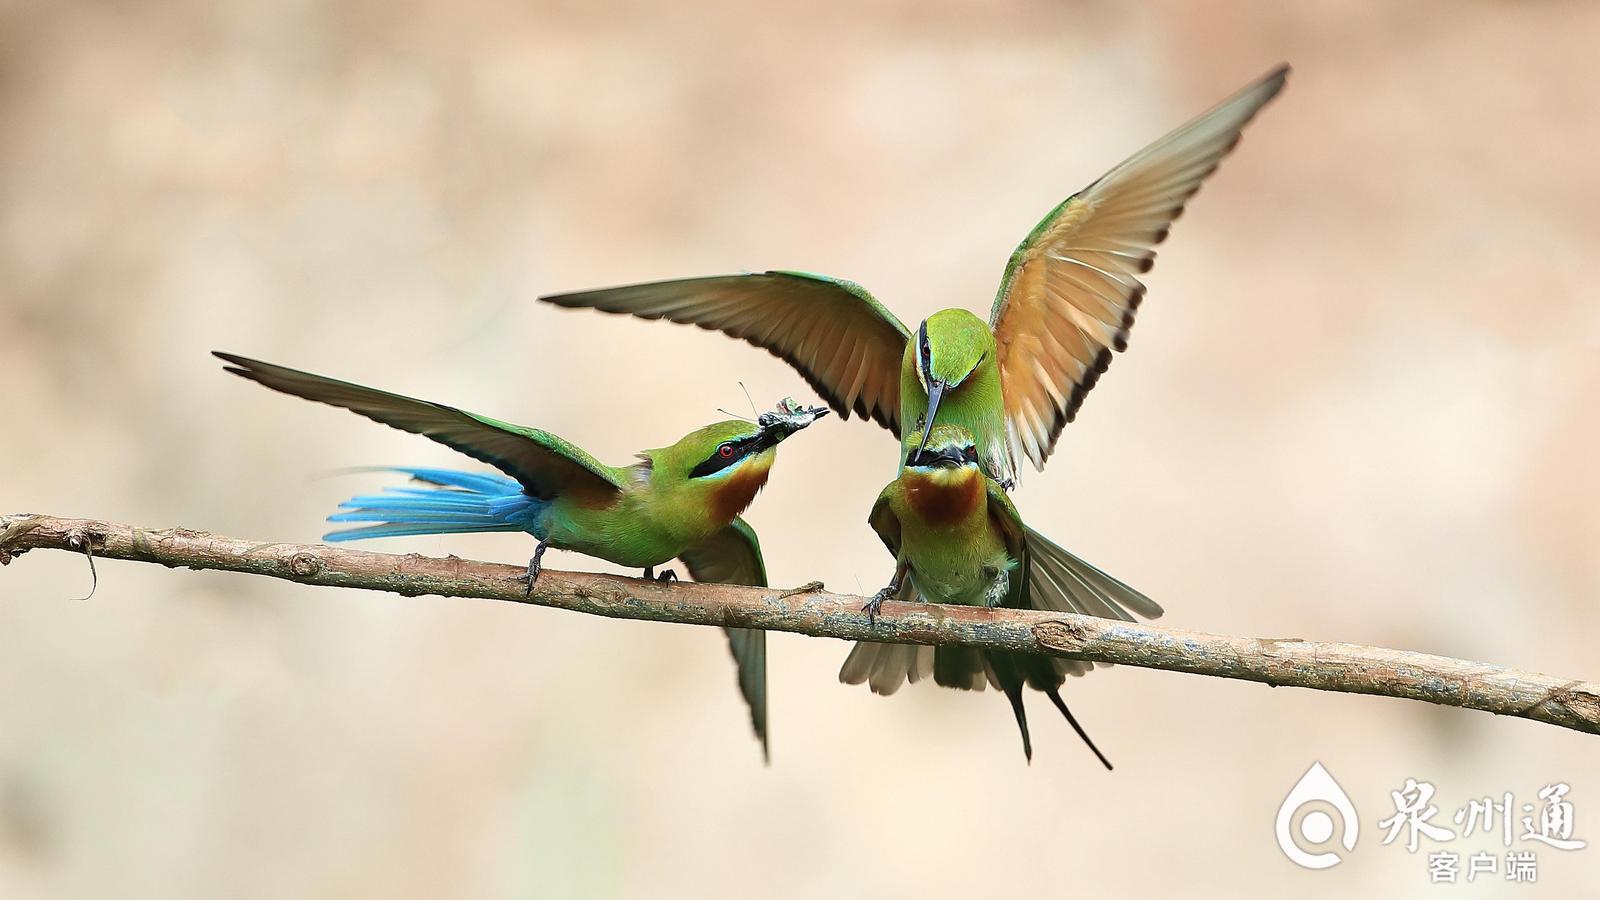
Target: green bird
{"points": [[1066, 302], [957, 538], [677, 502]]}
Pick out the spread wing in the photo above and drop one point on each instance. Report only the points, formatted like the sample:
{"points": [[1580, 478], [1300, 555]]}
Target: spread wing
{"points": [[733, 556], [845, 344], [1060, 582], [1064, 583], [1070, 290], [542, 463]]}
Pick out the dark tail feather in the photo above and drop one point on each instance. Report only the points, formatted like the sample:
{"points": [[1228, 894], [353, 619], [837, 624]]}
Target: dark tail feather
{"points": [[1014, 694], [959, 667], [1055, 697]]}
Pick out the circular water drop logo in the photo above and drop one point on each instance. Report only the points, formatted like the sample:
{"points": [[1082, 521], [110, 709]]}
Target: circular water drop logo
{"points": [[1316, 786]]}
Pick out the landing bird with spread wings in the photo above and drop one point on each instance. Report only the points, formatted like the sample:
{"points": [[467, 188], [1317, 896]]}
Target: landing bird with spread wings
{"points": [[957, 538], [1066, 301], [677, 502]]}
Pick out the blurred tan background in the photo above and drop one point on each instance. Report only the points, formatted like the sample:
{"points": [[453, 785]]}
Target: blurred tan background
{"points": [[1360, 404]]}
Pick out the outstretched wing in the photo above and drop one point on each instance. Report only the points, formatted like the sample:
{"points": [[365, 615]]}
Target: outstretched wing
{"points": [[733, 556], [1062, 582], [542, 463], [1070, 290], [845, 344]]}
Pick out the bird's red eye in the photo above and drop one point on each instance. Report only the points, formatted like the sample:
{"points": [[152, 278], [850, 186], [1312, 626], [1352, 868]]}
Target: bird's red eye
{"points": [[725, 451]]}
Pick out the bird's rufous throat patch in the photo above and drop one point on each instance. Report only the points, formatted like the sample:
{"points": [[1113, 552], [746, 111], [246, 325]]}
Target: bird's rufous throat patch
{"points": [[944, 497], [736, 491]]}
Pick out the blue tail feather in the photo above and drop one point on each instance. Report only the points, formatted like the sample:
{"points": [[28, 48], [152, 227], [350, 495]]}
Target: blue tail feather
{"points": [[416, 517], [477, 482], [454, 503]]}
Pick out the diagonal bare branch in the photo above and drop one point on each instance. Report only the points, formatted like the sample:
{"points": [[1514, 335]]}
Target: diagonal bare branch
{"points": [[1320, 665]]}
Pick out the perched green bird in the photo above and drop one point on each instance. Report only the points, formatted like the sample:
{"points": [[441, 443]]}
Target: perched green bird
{"points": [[1066, 301], [681, 501], [957, 538]]}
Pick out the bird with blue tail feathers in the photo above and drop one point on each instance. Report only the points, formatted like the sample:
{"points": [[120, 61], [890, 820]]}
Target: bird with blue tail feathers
{"points": [[677, 502]]}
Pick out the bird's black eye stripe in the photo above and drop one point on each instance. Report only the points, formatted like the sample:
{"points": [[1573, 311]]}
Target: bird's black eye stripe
{"points": [[922, 344], [727, 453]]}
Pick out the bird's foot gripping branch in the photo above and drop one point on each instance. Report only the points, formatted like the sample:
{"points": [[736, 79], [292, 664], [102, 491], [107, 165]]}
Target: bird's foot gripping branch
{"points": [[1319, 665]]}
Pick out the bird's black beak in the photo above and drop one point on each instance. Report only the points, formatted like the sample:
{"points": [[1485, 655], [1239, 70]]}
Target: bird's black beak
{"points": [[936, 389]]}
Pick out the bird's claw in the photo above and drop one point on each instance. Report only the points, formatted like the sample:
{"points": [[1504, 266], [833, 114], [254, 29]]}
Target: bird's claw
{"points": [[528, 578], [667, 576], [995, 596], [875, 604], [534, 568]]}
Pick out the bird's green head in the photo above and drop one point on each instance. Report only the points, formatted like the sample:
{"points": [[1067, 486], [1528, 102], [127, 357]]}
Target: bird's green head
{"points": [[947, 447], [951, 345], [728, 461]]}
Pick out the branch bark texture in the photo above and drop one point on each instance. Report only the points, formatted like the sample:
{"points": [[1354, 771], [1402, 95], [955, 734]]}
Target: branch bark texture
{"points": [[1319, 665]]}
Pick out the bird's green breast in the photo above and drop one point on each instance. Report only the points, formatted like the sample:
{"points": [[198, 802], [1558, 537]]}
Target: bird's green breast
{"points": [[947, 536]]}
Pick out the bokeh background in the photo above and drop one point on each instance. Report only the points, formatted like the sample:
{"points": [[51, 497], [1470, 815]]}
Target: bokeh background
{"points": [[1360, 404]]}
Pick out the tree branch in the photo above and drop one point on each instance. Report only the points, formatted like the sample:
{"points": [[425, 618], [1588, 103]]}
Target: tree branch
{"points": [[1319, 665]]}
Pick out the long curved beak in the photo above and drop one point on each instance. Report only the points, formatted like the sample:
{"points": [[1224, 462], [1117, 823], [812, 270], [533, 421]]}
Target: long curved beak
{"points": [[936, 389]]}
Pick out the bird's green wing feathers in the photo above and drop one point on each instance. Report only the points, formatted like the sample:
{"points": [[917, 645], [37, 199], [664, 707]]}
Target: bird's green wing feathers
{"points": [[545, 464], [885, 522], [1003, 513], [842, 340], [733, 556], [1068, 296]]}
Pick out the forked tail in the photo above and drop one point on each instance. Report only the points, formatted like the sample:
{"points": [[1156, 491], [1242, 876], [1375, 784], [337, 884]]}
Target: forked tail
{"points": [[451, 502]]}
